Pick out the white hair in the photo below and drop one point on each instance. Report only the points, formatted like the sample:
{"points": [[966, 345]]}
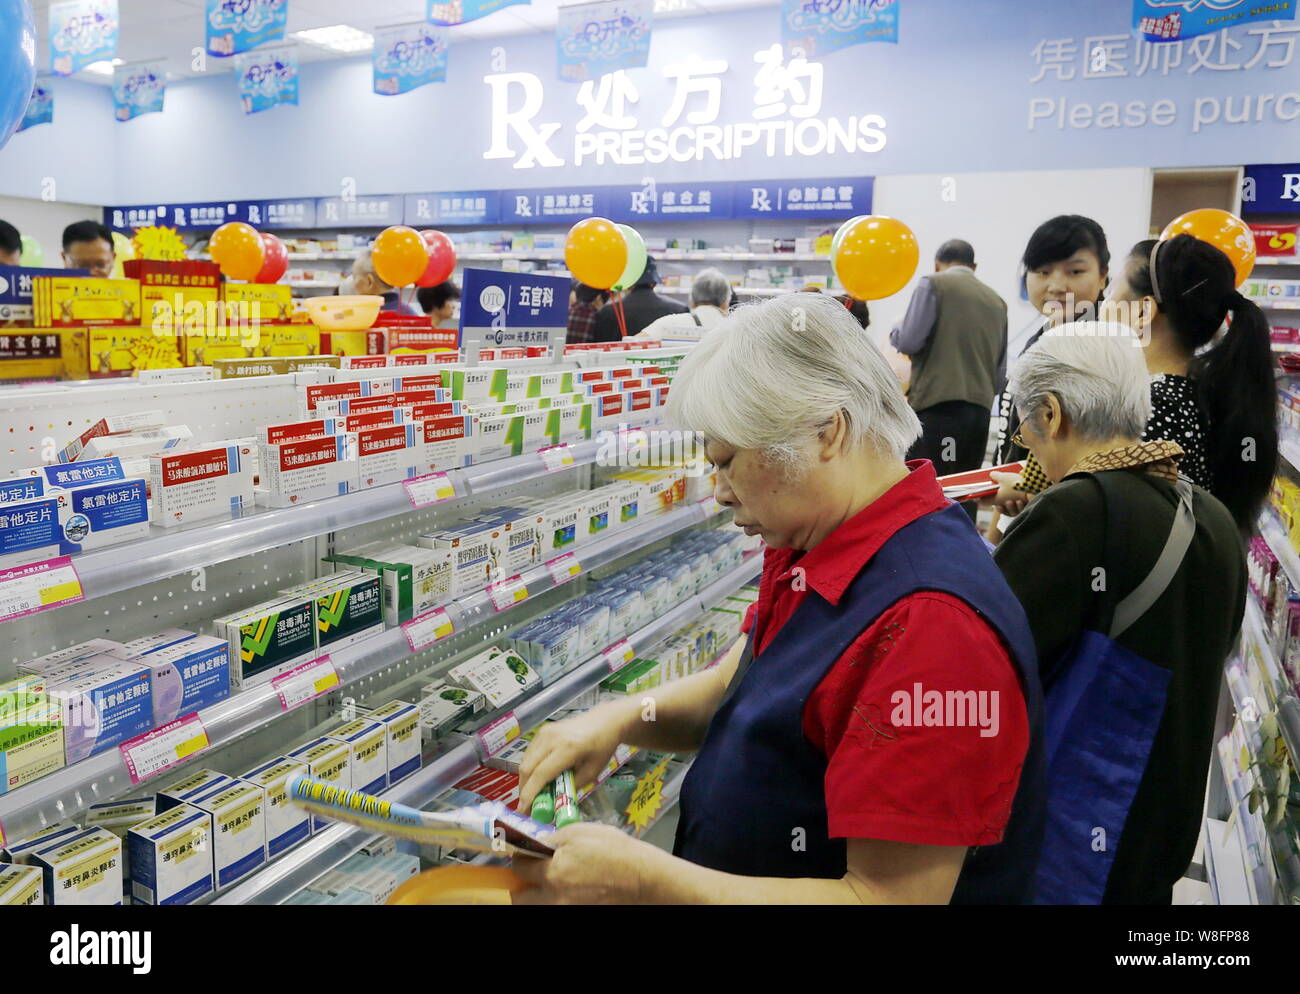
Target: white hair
{"points": [[771, 376], [365, 265], [711, 287], [1098, 373]]}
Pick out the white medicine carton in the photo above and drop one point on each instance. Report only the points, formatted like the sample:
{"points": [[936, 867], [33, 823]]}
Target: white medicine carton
{"points": [[286, 824], [237, 810], [367, 741], [205, 483], [401, 721], [83, 869], [171, 857], [20, 886]]}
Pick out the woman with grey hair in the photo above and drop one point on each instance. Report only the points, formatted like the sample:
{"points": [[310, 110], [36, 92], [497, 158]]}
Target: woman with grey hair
{"points": [[710, 299], [879, 721], [1134, 584]]}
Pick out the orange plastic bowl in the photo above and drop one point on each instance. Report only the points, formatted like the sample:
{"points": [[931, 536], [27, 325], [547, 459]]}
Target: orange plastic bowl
{"points": [[343, 313], [460, 885]]}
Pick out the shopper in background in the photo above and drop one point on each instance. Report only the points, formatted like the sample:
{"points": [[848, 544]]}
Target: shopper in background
{"points": [[858, 308], [584, 302], [11, 245], [439, 303], [816, 779], [1067, 267], [1131, 677], [366, 282], [89, 245], [710, 299], [641, 305], [955, 331], [1220, 405]]}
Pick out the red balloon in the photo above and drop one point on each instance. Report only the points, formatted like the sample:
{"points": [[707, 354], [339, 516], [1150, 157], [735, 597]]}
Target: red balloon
{"points": [[442, 258], [277, 259]]}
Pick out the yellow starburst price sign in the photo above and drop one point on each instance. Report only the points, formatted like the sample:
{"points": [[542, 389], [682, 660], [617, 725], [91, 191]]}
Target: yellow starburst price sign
{"points": [[159, 244], [648, 797]]}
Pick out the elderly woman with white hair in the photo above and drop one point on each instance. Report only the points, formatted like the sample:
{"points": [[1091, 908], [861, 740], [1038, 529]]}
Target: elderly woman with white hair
{"points": [[874, 739], [1134, 583], [710, 299]]}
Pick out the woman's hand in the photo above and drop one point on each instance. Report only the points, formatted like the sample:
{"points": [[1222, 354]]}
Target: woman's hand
{"points": [[583, 744], [593, 864], [1009, 500]]}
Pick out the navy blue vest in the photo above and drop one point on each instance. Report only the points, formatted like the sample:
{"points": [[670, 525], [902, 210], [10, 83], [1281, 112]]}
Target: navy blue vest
{"points": [[757, 778]]}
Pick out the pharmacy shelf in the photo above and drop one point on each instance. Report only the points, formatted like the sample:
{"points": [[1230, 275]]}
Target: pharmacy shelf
{"points": [[1277, 262], [327, 849], [312, 284], [103, 776], [1289, 449], [1277, 305], [1270, 529], [1288, 705], [171, 551]]}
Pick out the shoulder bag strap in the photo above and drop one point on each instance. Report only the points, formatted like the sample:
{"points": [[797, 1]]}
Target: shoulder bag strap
{"points": [[1167, 564]]}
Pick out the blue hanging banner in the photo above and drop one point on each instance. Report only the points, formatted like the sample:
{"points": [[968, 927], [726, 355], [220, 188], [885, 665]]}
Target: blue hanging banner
{"points": [[358, 211], [82, 32], [138, 89], [235, 26], [40, 109], [593, 39], [1174, 20], [813, 28], [293, 213], [408, 56], [464, 11], [565, 205], [267, 77]]}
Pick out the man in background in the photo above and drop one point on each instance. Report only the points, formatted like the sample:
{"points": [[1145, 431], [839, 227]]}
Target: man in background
{"points": [[710, 299], [641, 305], [584, 302], [366, 282], [89, 245], [439, 303], [11, 245], [955, 331]]}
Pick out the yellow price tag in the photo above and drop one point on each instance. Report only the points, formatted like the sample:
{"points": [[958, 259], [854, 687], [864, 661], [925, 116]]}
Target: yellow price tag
{"points": [[61, 592], [190, 746], [326, 682], [647, 797]]}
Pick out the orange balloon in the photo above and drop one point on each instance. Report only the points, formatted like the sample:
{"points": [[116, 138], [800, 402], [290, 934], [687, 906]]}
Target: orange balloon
{"points": [[596, 252], [401, 255], [1226, 232], [460, 885], [875, 257], [238, 249]]}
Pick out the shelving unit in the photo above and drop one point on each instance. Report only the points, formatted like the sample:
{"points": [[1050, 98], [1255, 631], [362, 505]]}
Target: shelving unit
{"points": [[327, 849]]}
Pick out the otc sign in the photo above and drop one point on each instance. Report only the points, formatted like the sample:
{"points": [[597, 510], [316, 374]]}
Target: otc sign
{"points": [[512, 309], [785, 118]]}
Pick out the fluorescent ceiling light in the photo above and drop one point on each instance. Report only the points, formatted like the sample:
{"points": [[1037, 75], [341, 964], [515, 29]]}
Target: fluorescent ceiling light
{"points": [[338, 38], [103, 67], [671, 6]]}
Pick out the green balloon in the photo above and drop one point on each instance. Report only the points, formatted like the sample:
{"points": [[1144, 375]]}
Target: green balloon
{"points": [[636, 257], [33, 254], [839, 233]]}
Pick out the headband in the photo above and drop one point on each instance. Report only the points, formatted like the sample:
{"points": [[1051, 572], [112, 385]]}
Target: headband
{"points": [[1155, 283]]}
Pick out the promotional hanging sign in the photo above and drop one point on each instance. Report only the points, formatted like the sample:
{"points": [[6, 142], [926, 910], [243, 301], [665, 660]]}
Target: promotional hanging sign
{"points": [[40, 109], [1174, 20], [138, 89], [464, 11], [504, 309], [408, 56], [82, 32], [813, 28], [235, 26], [267, 77], [597, 38]]}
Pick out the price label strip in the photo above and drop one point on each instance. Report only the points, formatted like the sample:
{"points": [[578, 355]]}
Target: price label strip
{"points": [[556, 457], [153, 752], [37, 587], [710, 506], [618, 655], [564, 568], [498, 734], [306, 682], [508, 592], [432, 488], [427, 629]]}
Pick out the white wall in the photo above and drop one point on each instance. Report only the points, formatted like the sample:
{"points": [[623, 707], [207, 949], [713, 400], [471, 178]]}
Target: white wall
{"points": [[45, 222], [997, 212], [71, 159]]}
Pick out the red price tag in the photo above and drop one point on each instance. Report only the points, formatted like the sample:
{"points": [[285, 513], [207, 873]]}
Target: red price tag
{"points": [[507, 593], [497, 735], [556, 457], [427, 629], [431, 488], [564, 568], [38, 587], [306, 682], [619, 655]]}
